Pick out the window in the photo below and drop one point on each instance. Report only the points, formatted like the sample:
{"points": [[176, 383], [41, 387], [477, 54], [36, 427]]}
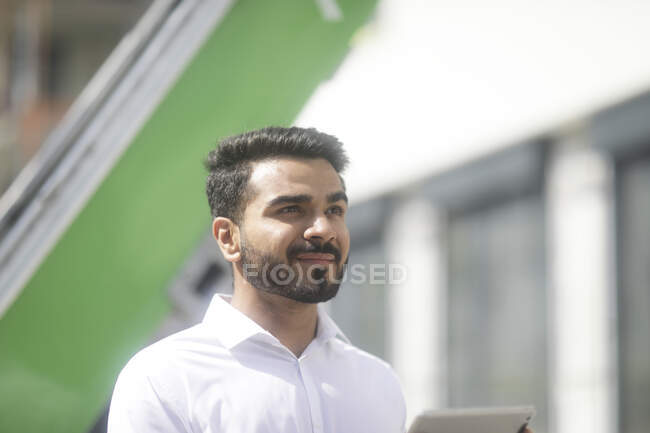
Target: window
{"points": [[497, 307], [634, 295]]}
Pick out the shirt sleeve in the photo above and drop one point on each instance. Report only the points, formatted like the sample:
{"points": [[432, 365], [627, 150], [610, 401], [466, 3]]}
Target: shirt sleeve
{"points": [[139, 404]]}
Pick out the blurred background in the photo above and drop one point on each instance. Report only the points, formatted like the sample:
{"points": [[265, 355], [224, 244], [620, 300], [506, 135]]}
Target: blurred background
{"points": [[500, 153]]}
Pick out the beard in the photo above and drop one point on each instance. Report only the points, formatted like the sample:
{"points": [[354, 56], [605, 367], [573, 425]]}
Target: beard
{"points": [[318, 283]]}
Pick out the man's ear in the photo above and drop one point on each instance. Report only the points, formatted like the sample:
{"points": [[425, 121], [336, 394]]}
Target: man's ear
{"points": [[226, 233]]}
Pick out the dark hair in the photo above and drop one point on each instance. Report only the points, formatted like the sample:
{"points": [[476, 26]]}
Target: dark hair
{"points": [[230, 163]]}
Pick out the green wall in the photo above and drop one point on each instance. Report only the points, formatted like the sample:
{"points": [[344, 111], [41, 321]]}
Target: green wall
{"points": [[100, 294]]}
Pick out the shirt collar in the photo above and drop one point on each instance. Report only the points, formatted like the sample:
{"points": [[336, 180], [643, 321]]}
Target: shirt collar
{"points": [[233, 327], [326, 328]]}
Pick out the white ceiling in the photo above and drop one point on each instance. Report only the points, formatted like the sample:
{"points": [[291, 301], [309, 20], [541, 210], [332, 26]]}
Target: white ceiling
{"points": [[430, 84]]}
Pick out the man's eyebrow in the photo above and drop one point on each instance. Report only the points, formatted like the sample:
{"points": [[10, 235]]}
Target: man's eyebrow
{"points": [[336, 196], [286, 199]]}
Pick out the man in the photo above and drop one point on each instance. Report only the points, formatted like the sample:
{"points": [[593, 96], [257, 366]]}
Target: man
{"points": [[268, 359]]}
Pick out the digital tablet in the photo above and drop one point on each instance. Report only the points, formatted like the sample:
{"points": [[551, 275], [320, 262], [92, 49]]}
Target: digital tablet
{"points": [[474, 420]]}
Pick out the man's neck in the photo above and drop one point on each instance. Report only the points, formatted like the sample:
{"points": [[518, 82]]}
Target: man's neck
{"points": [[293, 323]]}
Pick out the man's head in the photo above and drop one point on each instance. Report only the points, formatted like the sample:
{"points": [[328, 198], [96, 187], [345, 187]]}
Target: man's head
{"points": [[278, 203]]}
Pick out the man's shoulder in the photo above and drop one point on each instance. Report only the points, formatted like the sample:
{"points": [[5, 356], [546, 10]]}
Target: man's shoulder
{"points": [[354, 353], [372, 367], [169, 355], [151, 386]]}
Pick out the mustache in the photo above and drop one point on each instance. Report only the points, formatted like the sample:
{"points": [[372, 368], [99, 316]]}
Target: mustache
{"points": [[309, 247]]}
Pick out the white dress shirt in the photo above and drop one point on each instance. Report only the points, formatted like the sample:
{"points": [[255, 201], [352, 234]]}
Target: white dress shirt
{"points": [[227, 374]]}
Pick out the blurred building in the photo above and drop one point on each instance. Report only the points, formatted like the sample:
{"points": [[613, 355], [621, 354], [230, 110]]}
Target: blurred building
{"points": [[49, 50], [500, 158], [527, 278]]}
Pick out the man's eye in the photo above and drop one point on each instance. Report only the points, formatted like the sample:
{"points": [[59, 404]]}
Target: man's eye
{"points": [[335, 210], [290, 209]]}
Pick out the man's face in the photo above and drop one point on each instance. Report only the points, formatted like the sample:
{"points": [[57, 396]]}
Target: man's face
{"points": [[294, 239]]}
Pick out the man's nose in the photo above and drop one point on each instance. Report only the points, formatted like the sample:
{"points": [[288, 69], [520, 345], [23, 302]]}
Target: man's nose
{"points": [[320, 228]]}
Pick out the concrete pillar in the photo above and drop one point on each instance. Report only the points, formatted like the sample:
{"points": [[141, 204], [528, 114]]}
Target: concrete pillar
{"points": [[582, 301], [417, 306]]}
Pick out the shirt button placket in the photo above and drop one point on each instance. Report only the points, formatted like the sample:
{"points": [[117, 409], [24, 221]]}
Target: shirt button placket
{"points": [[312, 396]]}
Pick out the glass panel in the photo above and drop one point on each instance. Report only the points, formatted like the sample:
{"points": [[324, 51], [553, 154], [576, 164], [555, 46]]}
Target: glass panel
{"points": [[49, 50], [497, 308], [634, 297]]}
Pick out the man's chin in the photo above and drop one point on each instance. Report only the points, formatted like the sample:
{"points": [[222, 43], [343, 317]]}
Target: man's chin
{"points": [[304, 294], [316, 296]]}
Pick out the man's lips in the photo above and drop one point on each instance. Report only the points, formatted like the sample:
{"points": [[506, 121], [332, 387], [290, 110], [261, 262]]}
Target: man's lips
{"points": [[317, 258]]}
